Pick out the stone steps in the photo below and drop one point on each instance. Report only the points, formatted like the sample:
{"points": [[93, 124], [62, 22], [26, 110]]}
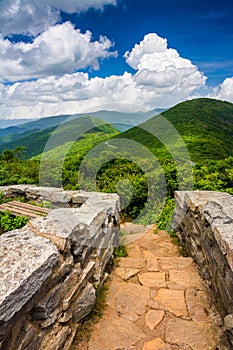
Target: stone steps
{"points": [[156, 300]]}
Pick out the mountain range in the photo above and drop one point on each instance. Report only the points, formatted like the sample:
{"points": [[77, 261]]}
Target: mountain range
{"points": [[203, 126]]}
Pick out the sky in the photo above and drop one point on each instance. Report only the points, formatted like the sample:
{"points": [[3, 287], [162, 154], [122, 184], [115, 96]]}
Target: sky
{"points": [[76, 56]]}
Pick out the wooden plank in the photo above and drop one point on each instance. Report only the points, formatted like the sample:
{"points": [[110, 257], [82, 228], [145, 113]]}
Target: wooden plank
{"points": [[18, 212], [29, 206], [18, 208]]}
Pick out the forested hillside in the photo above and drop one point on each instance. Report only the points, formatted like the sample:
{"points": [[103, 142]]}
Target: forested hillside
{"points": [[118, 162], [205, 125]]}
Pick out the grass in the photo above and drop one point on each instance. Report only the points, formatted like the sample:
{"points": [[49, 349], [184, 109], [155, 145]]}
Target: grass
{"points": [[120, 252], [43, 204]]}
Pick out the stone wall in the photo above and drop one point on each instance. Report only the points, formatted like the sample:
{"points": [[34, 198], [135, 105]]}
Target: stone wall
{"points": [[204, 224], [50, 270]]}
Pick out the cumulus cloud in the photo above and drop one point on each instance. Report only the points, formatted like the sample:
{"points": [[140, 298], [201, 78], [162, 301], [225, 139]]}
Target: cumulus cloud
{"points": [[162, 78], [36, 16], [59, 50], [163, 68], [224, 91], [68, 94]]}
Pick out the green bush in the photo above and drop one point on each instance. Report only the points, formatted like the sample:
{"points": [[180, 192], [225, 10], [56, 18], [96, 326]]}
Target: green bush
{"points": [[9, 222]]}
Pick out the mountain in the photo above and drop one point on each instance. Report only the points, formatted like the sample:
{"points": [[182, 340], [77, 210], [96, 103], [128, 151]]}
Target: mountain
{"points": [[196, 130], [121, 121], [68, 132], [205, 125], [16, 132], [5, 123]]}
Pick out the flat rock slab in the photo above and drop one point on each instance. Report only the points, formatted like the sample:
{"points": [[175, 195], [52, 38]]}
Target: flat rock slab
{"points": [[126, 273], [152, 264], [132, 263], [173, 301], [156, 344], [198, 304], [175, 263], [197, 335], [153, 279], [114, 332], [132, 299], [153, 318], [163, 249], [186, 279]]}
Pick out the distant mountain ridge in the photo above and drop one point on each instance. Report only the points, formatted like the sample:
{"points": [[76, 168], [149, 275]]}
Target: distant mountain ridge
{"points": [[122, 121], [67, 132], [205, 126], [5, 123]]}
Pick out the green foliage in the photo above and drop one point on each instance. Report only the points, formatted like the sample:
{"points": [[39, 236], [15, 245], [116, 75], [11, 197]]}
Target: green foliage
{"points": [[205, 125], [43, 204], [120, 252], [70, 131], [165, 219], [9, 222], [18, 171]]}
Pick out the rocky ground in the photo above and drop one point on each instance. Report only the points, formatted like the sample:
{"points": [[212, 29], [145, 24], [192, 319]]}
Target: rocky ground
{"points": [[156, 300]]}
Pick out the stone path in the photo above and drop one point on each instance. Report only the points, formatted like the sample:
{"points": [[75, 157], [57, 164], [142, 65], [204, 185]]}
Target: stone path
{"points": [[156, 300]]}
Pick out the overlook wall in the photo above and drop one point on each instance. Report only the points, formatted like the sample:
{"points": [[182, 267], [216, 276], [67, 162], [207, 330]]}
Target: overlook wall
{"points": [[204, 224], [50, 270]]}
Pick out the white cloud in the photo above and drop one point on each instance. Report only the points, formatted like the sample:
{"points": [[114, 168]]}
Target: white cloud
{"points": [[59, 50], [224, 91], [152, 44], [36, 16], [162, 68], [162, 78], [71, 93]]}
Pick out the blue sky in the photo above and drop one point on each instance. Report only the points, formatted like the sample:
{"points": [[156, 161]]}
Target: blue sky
{"points": [[74, 56], [199, 30]]}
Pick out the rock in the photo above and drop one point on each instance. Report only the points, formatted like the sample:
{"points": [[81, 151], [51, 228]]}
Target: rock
{"points": [[50, 320], [132, 263], [228, 322], [186, 278], [133, 251], [156, 344], [126, 273], [114, 332], [85, 303], [151, 261], [198, 335], [153, 279], [228, 327], [127, 295], [198, 305], [56, 339], [153, 318], [42, 193], [131, 228], [176, 263], [173, 301], [24, 271], [45, 308]]}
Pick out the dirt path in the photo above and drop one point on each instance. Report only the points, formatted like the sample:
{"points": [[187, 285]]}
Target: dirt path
{"points": [[156, 300]]}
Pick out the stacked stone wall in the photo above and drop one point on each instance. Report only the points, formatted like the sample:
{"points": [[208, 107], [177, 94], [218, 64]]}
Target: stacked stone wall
{"points": [[51, 269], [204, 224]]}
